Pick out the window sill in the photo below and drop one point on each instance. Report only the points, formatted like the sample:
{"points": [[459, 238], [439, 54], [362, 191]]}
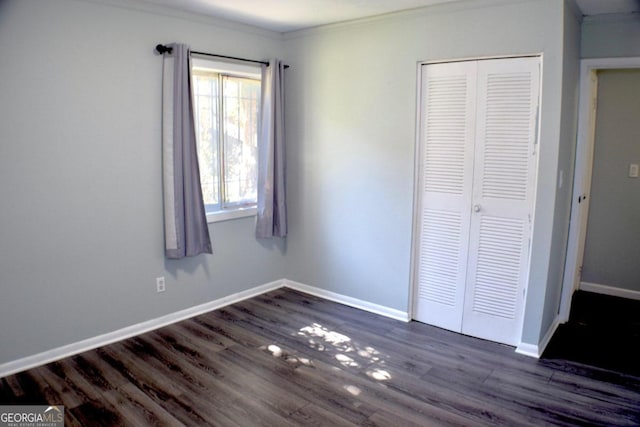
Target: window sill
{"points": [[231, 214]]}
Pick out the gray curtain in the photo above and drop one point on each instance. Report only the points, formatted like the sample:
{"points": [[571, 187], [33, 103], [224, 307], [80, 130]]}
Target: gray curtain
{"points": [[185, 220], [272, 211]]}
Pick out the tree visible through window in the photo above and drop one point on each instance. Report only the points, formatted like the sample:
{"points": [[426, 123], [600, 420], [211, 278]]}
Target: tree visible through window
{"points": [[226, 108]]}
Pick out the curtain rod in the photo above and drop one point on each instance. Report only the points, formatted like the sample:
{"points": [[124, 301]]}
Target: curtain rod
{"points": [[160, 48]]}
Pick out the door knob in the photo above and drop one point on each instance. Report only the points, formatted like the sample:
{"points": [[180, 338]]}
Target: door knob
{"points": [[476, 208]]}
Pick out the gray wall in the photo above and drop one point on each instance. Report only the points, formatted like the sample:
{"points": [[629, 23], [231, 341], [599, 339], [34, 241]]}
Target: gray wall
{"points": [[351, 130], [81, 218], [607, 36], [81, 234], [566, 160], [611, 255]]}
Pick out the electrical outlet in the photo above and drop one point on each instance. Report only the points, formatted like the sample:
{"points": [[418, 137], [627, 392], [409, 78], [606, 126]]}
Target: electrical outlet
{"points": [[160, 284], [633, 170]]}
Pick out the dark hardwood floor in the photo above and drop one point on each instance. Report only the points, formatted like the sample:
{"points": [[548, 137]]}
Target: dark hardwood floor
{"points": [[286, 358], [602, 331]]}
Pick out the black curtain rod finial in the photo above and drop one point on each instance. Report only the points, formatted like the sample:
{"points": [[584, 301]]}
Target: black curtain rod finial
{"points": [[161, 49]]}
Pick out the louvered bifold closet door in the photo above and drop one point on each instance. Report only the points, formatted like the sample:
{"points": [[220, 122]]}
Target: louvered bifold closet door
{"points": [[504, 173], [446, 154]]}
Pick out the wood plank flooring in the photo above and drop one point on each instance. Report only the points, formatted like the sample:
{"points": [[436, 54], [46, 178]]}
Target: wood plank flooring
{"points": [[290, 359]]}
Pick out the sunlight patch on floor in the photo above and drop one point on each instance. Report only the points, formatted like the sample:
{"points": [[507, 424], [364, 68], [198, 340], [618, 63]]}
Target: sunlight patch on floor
{"points": [[346, 360], [277, 351], [329, 337], [349, 354], [379, 374], [353, 390]]}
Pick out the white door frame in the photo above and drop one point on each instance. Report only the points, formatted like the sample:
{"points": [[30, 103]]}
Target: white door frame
{"points": [[583, 170]]}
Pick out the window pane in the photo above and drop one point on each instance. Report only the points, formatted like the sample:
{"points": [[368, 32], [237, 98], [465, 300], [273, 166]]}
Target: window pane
{"points": [[241, 103], [207, 133]]}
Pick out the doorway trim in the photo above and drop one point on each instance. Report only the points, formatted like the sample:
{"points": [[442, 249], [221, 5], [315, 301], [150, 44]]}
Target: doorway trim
{"points": [[583, 169]]}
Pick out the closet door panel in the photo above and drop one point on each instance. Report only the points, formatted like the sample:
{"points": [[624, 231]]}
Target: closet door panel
{"points": [[446, 145], [504, 173]]}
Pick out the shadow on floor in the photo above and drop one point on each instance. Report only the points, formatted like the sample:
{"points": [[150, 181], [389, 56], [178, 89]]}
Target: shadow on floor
{"points": [[602, 331]]}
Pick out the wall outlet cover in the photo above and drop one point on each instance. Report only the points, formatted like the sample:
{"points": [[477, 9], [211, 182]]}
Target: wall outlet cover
{"points": [[160, 285]]}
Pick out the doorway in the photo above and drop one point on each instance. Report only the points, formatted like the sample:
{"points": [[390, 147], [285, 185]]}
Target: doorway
{"points": [[583, 177]]}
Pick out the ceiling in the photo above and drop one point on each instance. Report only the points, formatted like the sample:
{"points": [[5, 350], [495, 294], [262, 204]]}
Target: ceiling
{"points": [[290, 15]]}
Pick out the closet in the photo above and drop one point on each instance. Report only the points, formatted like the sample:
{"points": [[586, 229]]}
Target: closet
{"points": [[477, 148]]}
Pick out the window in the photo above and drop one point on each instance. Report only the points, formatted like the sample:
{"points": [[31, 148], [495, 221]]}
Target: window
{"points": [[226, 111]]}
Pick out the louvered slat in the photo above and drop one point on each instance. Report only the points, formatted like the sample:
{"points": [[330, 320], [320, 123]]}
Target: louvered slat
{"points": [[444, 144], [439, 256], [507, 136], [498, 268]]}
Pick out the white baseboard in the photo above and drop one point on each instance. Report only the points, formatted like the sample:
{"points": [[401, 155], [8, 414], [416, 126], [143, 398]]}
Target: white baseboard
{"points": [[72, 349], [531, 350], [130, 331], [351, 302], [609, 290], [534, 350]]}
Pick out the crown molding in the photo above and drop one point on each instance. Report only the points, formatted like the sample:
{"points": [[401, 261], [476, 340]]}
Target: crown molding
{"points": [[436, 9]]}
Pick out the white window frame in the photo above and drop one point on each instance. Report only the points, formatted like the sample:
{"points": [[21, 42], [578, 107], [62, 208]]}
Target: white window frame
{"points": [[235, 70]]}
